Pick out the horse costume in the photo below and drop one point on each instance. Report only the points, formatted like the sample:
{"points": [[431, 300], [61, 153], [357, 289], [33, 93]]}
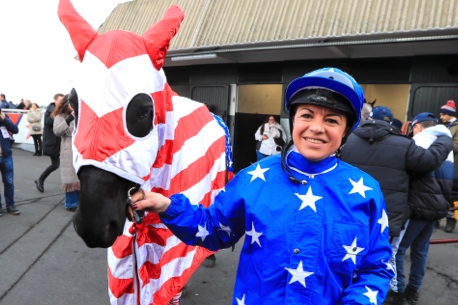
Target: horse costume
{"points": [[134, 131]]}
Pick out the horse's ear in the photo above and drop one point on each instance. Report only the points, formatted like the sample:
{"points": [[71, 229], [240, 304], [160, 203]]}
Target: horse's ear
{"points": [[81, 32], [157, 37]]}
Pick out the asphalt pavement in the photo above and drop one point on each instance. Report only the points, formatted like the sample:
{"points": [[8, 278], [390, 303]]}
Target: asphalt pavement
{"points": [[44, 262]]}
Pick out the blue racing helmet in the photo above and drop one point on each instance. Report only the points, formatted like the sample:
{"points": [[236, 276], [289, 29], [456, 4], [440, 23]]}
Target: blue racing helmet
{"points": [[329, 87]]}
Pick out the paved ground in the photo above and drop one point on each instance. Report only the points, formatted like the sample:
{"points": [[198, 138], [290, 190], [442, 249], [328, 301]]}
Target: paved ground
{"points": [[43, 261]]}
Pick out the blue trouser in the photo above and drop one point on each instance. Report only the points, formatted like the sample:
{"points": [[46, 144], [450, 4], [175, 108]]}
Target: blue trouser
{"points": [[417, 236], [7, 170], [260, 155], [71, 199]]}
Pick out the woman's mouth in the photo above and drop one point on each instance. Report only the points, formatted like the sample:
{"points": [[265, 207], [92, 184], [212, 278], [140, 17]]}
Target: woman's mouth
{"points": [[316, 141]]}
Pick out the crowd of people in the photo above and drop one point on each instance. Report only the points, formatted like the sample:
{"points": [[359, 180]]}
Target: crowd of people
{"points": [[51, 137], [348, 174]]}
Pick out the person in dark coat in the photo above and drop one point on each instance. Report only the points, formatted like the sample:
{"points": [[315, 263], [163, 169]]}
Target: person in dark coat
{"points": [[7, 128], [383, 152], [429, 197], [51, 143]]}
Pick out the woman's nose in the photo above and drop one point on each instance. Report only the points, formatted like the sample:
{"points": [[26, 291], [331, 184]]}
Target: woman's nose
{"points": [[316, 126]]}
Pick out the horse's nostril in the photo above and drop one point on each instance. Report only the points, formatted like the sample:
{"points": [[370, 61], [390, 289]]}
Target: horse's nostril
{"points": [[112, 229]]}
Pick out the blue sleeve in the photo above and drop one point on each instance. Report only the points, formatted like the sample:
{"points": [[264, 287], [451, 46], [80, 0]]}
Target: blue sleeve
{"points": [[373, 278], [217, 227]]}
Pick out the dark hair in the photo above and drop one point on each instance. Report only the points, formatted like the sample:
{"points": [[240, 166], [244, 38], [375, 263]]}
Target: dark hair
{"points": [[57, 95], [266, 120], [426, 124], [62, 108]]}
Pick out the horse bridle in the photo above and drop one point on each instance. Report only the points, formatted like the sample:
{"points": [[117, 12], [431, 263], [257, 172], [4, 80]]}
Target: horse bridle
{"points": [[138, 214]]}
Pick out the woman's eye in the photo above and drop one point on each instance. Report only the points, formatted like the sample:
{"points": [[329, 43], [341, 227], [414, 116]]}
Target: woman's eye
{"points": [[306, 116]]}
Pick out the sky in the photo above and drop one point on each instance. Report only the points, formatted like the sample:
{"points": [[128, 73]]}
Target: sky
{"points": [[36, 53]]}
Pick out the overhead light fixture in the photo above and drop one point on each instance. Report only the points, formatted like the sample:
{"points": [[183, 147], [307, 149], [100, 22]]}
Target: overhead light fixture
{"points": [[194, 57]]}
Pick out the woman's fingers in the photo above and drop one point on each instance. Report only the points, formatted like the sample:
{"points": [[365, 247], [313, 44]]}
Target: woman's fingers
{"points": [[153, 202]]}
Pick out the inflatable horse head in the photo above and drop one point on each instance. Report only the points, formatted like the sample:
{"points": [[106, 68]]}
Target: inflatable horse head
{"points": [[132, 129]]}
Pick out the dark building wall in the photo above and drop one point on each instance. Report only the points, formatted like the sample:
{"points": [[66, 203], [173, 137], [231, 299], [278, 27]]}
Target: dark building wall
{"points": [[433, 81]]}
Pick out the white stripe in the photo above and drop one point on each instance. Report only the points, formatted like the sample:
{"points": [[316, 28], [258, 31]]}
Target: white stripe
{"points": [[183, 106], [196, 147], [125, 299], [105, 90], [153, 252], [194, 193], [172, 269]]}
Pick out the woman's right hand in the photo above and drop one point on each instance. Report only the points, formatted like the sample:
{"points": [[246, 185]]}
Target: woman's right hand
{"points": [[264, 137], [151, 202]]}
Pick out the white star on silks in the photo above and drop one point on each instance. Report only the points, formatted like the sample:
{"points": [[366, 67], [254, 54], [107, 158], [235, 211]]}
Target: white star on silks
{"points": [[202, 232], [241, 301], [359, 187], [352, 251], [389, 266], [299, 274], [371, 294], [308, 200], [226, 229], [383, 221], [254, 235], [258, 173]]}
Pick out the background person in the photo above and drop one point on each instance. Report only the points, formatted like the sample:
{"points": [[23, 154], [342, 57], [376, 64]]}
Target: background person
{"points": [[308, 217], [429, 197], [34, 116], [3, 102], [7, 127], [64, 124], [379, 149], [51, 142], [448, 116], [266, 138]]}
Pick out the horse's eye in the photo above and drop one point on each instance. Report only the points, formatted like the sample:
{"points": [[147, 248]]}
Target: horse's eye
{"points": [[139, 115]]}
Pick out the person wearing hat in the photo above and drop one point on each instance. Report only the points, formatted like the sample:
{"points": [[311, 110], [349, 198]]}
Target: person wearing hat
{"points": [[380, 150], [448, 117], [429, 197], [316, 227]]}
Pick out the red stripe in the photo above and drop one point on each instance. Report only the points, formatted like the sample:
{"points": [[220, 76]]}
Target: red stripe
{"points": [[196, 120], [173, 285], [218, 183], [94, 139], [164, 155], [118, 287], [190, 125], [162, 104], [102, 47], [122, 246], [197, 170]]}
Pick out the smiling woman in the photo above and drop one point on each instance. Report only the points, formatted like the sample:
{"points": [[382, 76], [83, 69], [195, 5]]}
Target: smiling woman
{"points": [[289, 205]]}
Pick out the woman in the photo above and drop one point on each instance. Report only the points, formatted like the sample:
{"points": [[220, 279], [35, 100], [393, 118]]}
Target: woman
{"points": [[265, 137], [34, 116], [64, 124], [316, 227]]}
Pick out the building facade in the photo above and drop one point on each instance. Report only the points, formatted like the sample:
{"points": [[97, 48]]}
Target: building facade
{"points": [[238, 56]]}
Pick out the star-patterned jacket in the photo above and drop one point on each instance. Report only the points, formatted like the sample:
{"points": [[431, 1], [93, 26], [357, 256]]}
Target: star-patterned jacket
{"points": [[320, 240]]}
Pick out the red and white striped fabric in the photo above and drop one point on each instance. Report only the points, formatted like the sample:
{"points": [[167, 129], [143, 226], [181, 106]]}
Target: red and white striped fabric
{"points": [[158, 264], [185, 152]]}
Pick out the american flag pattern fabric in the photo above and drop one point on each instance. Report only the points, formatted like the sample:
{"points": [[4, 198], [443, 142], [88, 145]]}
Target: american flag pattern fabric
{"points": [[185, 152]]}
